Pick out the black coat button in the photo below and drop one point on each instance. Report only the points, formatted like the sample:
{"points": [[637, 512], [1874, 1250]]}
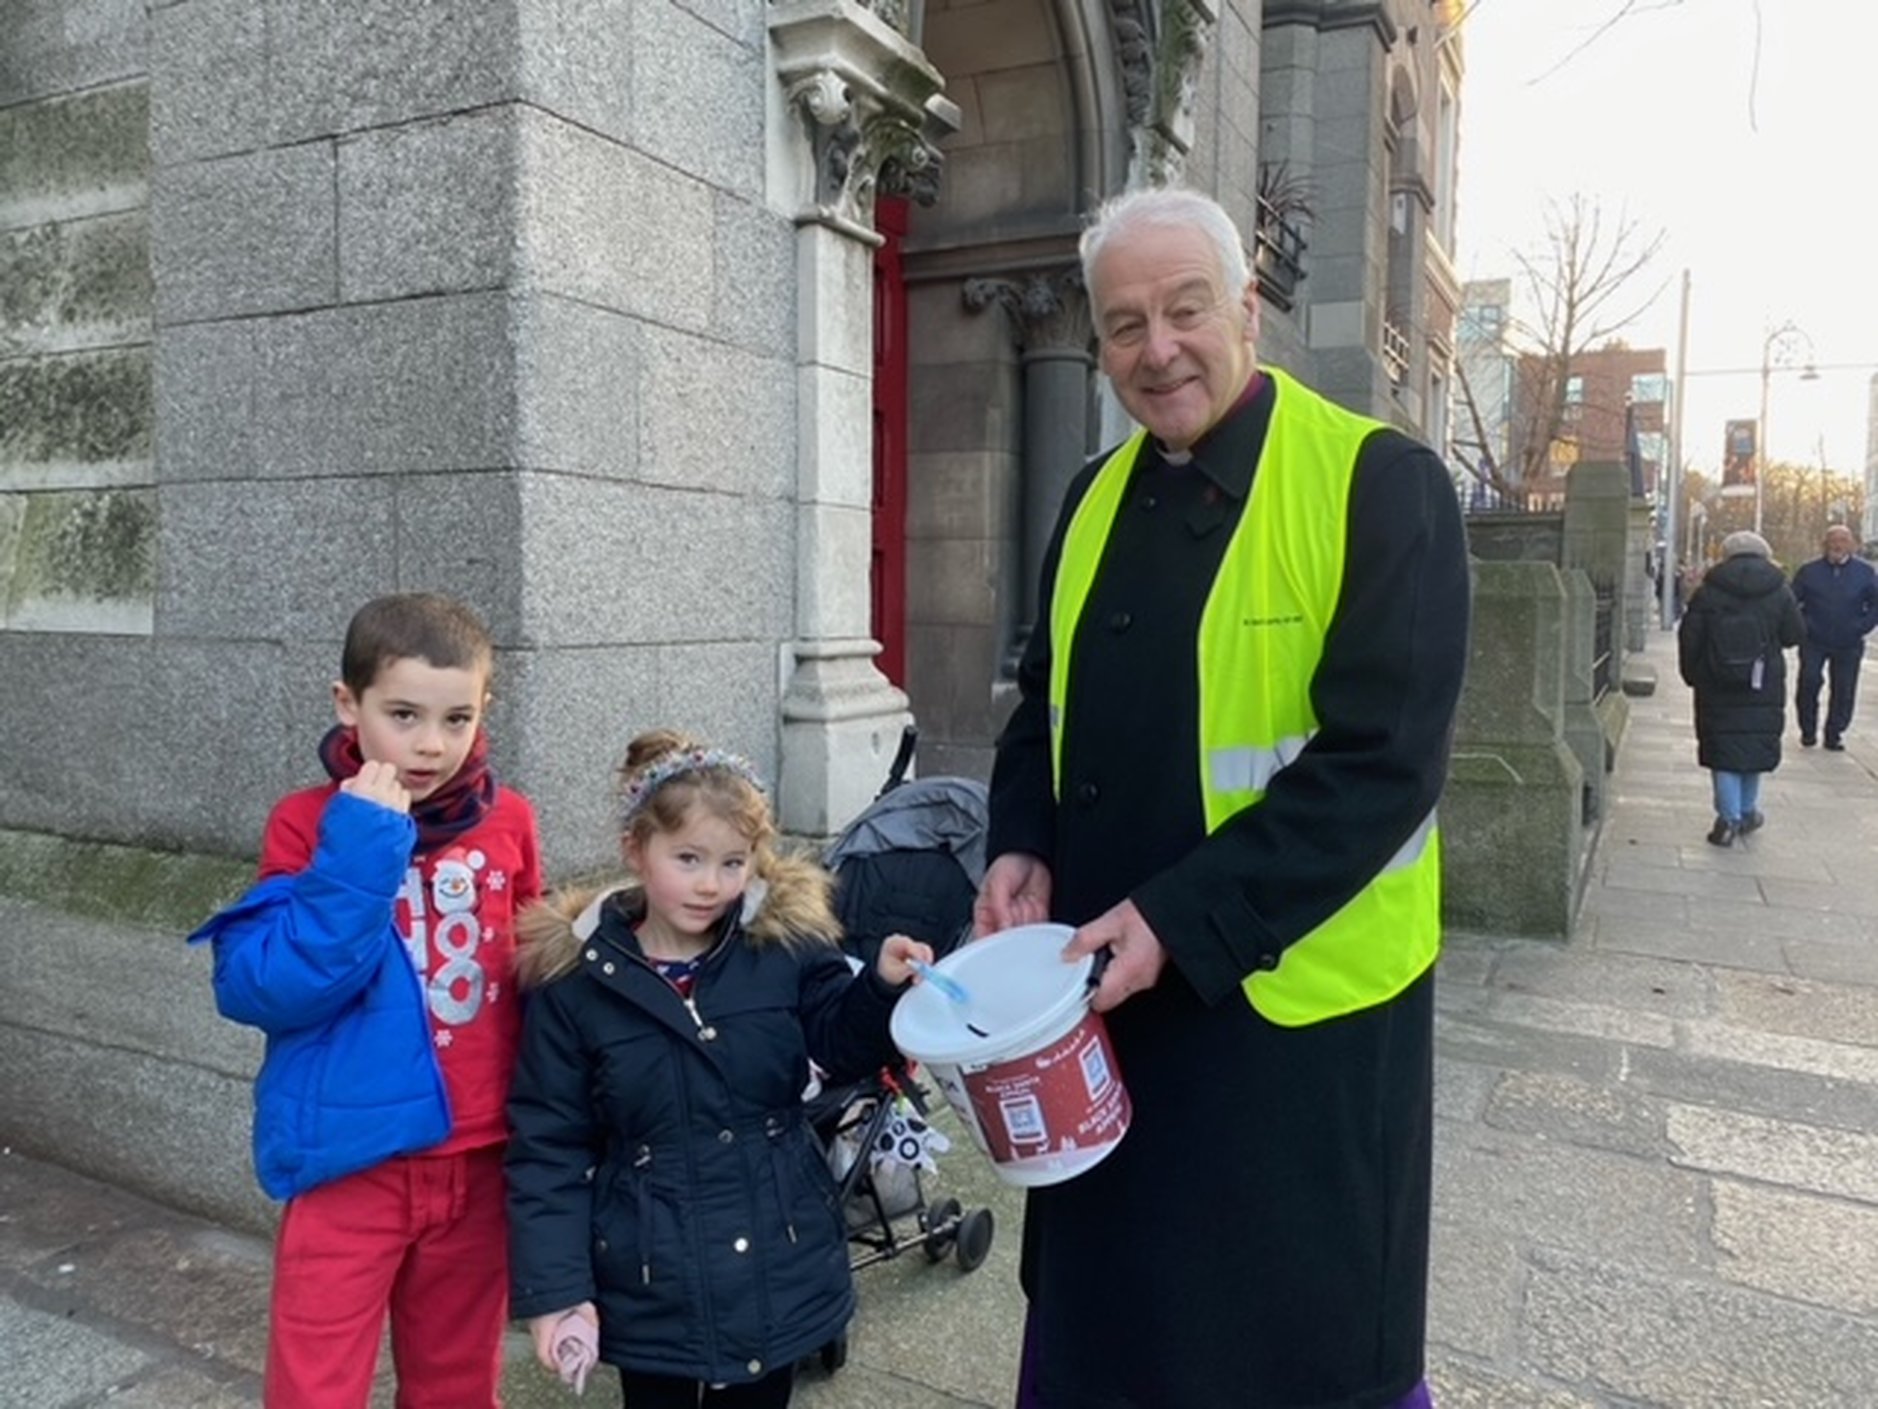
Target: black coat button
{"points": [[1121, 621], [1267, 961], [1087, 793]]}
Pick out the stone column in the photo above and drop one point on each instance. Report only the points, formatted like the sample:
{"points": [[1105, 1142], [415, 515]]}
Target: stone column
{"points": [[865, 97], [1049, 313]]}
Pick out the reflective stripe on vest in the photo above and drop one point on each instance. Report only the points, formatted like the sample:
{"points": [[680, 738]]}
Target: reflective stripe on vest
{"points": [[1260, 639]]}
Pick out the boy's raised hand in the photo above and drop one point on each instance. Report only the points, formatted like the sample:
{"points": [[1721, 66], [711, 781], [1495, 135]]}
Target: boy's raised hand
{"points": [[378, 782], [897, 956]]}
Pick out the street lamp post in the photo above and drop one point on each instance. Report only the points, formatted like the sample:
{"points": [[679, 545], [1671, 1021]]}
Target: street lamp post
{"points": [[1671, 481], [1781, 349]]}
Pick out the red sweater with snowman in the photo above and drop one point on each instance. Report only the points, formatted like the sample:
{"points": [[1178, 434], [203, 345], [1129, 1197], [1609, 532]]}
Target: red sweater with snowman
{"points": [[456, 911]]}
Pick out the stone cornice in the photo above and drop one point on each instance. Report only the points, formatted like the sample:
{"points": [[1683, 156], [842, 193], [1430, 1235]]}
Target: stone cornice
{"points": [[1334, 14], [871, 104], [1414, 185]]}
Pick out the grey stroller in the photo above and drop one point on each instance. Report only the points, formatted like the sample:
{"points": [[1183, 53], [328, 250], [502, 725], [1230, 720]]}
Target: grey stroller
{"points": [[910, 863]]}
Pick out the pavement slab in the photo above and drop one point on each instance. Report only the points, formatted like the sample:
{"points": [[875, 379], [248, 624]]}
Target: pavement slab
{"points": [[1817, 1250]]}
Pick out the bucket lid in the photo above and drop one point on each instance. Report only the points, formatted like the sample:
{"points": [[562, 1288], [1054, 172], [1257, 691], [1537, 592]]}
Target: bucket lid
{"points": [[1020, 988]]}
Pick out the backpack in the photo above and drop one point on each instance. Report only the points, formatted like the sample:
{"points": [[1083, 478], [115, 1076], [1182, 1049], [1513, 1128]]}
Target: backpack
{"points": [[1737, 649]]}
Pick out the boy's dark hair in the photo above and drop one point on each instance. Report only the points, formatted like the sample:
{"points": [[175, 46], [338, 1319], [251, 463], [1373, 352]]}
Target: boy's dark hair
{"points": [[423, 626]]}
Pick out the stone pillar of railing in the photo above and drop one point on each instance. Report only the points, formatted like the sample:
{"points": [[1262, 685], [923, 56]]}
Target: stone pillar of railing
{"points": [[1510, 818], [1640, 600], [1584, 733], [1598, 541]]}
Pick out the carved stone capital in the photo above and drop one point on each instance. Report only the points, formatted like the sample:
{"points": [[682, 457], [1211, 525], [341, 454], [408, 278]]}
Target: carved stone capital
{"points": [[1049, 311], [1163, 141], [1133, 27], [870, 104], [909, 163]]}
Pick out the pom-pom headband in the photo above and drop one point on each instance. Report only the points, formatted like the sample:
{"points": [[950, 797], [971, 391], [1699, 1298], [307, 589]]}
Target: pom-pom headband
{"points": [[648, 780]]}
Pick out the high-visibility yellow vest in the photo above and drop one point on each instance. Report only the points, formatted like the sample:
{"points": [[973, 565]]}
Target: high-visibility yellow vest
{"points": [[1261, 636]]}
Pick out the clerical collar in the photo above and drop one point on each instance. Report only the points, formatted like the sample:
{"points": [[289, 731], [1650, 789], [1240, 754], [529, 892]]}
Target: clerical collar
{"points": [[1179, 458]]}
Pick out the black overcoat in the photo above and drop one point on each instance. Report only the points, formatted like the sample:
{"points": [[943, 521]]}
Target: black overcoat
{"points": [[660, 1165], [1259, 1237], [1738, 726]]}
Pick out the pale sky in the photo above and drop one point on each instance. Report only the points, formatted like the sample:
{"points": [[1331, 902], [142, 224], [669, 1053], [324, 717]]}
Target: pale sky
{"points": [[1766, 183]]}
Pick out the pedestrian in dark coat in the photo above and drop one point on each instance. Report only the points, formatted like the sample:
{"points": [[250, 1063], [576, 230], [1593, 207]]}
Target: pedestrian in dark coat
{"points": [[1223, 822], [1730, 650], [663, 1184], [1838, 597]]}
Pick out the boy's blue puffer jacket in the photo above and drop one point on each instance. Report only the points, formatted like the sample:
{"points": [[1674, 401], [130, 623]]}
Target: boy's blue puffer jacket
{"points": [[315, 961]]}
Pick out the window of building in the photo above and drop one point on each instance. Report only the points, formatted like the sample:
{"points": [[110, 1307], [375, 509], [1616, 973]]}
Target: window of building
{"points": [[1438, 413], [1648, 387], [1447, 141], [1483, 322]]}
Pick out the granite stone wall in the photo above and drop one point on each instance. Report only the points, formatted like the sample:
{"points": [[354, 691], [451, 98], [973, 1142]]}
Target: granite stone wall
{"points": [[77, 498]]}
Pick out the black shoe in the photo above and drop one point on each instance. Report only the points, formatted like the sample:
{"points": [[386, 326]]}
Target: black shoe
{"points": [[1834, 745], [1722, 833], [1751, 822], [1808, 740]]}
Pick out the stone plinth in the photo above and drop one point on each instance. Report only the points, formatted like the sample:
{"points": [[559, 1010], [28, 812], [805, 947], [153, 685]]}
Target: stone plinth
{"points": [[1510, 818]]}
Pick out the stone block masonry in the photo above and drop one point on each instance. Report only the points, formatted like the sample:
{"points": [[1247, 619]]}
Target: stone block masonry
{"points": [[77, 498]]}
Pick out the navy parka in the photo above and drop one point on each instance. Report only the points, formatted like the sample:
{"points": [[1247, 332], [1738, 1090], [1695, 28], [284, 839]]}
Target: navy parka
{"points": [[660, 1164], [1737, 726]]}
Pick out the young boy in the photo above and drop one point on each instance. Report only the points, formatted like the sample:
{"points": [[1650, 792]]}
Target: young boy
{"points": [[376, 954]]}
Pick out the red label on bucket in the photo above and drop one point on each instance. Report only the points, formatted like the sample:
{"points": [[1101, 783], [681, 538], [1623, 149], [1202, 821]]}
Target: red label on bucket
{"points": [[1063, 1097]]}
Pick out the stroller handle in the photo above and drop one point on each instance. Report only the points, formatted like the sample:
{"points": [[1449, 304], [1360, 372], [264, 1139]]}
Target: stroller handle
{"points": [[902, 760]]}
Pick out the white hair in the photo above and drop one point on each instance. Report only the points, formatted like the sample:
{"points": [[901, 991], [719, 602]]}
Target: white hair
{"points": [[1166, 208]]}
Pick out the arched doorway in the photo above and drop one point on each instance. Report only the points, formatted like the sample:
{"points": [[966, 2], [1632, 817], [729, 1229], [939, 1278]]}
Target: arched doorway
{"points": [[1043, 135]]}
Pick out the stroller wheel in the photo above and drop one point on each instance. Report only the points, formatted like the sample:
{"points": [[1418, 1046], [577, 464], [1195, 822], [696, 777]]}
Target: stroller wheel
{"points": [[974, 1239], [835, 1353], [941, 1222]]}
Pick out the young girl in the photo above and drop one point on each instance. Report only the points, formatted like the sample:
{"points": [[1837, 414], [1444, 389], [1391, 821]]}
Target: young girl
{"points": [[662, 1182]]}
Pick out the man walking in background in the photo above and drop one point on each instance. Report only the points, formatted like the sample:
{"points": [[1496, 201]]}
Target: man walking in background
{"points": [[1838, 597]]}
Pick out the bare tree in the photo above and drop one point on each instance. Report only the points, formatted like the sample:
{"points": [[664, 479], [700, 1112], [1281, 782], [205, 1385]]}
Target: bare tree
{"points": [[1575, 297], [1581, 294], [1476, 453]]}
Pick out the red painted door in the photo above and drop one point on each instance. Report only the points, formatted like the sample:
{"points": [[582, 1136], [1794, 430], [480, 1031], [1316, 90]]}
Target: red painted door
{"points": [[888, 567]]}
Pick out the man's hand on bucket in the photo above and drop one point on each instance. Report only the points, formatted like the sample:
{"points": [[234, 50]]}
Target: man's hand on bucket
{"points": [[1136, 956]]}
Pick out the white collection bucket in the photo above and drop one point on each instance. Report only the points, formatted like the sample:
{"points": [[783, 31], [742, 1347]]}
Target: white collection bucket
{"points": [[1026, 1063]]}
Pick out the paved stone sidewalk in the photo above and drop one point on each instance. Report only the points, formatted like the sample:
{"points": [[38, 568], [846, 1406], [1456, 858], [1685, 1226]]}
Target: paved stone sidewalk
{"points": [[1657, 1151], [1657, 1157]]}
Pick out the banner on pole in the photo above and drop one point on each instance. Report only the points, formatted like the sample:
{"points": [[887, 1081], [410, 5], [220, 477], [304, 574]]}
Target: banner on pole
{"points": [[1739, 461]]}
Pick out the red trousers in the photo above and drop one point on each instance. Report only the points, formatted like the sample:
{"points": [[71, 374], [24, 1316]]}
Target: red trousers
{"points": [[424, 1238]]}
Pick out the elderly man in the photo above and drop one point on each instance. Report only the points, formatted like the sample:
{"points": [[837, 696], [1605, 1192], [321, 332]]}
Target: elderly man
{"points": [[1233, 726], [1838, 597]]}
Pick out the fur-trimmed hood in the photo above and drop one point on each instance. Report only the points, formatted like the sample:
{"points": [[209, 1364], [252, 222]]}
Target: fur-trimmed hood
{"points": [[790, 902]]}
